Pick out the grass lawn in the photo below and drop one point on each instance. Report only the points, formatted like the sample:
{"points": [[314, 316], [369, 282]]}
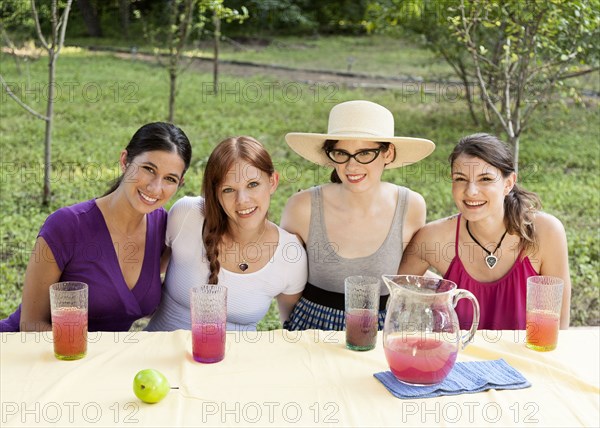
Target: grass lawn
{"points": [[103, 100]]}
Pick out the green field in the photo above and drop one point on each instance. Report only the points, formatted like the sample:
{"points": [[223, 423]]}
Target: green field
{"points": [[102, 101]]}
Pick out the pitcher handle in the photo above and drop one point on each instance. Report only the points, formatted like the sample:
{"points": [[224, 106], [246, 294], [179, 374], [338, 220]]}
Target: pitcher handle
{"points": [[468, 337]]}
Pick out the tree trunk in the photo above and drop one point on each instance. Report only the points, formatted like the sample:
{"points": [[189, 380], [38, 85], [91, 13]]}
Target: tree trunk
{"points": [[468, 91], [90, 18], [49, 120], [172, 88], [217, 22], [124, 17], [515, 146]]}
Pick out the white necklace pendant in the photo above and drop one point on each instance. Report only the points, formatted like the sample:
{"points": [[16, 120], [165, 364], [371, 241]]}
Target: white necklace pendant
{"points": [[491, 261]]}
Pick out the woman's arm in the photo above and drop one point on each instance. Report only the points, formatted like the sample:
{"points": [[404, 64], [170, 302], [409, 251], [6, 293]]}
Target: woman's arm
{"points": [[554, 258], [164, 259], [42, 271], [415, 217], [413, 260], [296, 215], [286, 303]]}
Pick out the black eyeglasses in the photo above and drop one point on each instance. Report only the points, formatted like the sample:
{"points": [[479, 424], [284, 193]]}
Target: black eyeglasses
{"points": [[363, 156]]}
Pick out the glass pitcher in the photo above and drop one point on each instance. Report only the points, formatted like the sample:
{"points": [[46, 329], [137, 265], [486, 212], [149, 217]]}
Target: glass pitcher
{"points": [[421, 334]]}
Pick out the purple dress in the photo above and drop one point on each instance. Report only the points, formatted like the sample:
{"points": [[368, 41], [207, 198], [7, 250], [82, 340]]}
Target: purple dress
{"points": [[502, 303], [82, 247]]}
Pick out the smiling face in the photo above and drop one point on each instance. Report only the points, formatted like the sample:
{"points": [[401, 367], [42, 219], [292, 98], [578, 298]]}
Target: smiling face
{"points": [[479, 188], [359, 176], [245, 195], [151, 179]]}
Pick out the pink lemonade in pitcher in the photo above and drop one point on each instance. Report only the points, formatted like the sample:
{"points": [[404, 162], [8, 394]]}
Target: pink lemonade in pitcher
{"points": [[542, 330], [419, 360], [69, 332], [208, 342]]}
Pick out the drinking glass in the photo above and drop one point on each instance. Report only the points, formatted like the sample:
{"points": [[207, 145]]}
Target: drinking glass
{"points": [[544, 300], [69, 310], [208, 305], [362, 310]]}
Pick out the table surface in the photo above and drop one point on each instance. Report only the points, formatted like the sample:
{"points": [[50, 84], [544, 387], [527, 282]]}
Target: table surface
{"points": [[285, 378]]}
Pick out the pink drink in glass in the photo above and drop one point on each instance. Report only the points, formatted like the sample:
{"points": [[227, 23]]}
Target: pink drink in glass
{"points": [[361, 329], [69, 331], [542, 330], [208, 342], [420, 361]]}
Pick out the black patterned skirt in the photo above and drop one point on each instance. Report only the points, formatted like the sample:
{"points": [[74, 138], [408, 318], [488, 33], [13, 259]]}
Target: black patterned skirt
{"points": [[327, 316]]}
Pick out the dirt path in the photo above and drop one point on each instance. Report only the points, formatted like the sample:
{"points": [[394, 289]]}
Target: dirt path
{"points": [[328, 80], [286, 74]]}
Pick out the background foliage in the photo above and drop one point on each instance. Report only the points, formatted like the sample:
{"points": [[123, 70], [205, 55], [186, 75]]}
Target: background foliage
{"points": [[102, 100]]}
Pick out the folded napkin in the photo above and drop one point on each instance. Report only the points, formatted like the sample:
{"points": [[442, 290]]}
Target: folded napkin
{"points": [[465, 378]]}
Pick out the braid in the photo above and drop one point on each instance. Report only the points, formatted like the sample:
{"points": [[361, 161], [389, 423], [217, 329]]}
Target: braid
{"points": [[520, 206], [211, 243]]}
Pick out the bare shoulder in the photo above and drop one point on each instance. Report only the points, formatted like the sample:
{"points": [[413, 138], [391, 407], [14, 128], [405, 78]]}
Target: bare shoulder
{"points": [[547, 225], [441, 230], [299, 201], [415, 199], [296, 214]]}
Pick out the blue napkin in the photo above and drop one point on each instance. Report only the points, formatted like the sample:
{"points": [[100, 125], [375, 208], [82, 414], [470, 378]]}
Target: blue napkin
{"points": [[465, 378]]}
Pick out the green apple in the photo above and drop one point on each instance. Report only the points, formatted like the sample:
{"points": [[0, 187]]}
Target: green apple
{"points": [[150, 386]]}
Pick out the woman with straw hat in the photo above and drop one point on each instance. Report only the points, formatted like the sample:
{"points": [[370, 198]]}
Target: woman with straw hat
{"points": [[357, 224]]}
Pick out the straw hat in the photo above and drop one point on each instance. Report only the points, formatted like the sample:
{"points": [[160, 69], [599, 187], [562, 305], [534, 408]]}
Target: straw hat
{"points": [[363, 121]]}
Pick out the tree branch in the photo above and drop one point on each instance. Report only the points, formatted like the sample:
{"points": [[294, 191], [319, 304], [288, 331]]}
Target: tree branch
{"points": [[510, 131], [577, 73], [62, 24], [21, 103], [54, 25], [37, 26], [183, 29], [482, 85]]}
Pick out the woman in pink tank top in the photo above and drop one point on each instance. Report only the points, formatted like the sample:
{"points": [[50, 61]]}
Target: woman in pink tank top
{"points": [[497, 241]]}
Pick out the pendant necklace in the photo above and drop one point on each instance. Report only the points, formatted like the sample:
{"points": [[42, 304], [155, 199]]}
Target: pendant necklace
{"points": [[490, 259], [244, 264]]}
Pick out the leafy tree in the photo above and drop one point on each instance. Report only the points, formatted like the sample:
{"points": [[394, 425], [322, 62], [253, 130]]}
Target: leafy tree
{"points": [[522, 51], [220, 12], [53, 46], [272, 16], [91, 18], [426, 18], [185, 17], [302, 16], [337, 16], [518, 53]]}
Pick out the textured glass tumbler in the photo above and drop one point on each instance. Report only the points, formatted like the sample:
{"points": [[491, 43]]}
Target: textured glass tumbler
{"points": [[362, 310], [69, 310], [544, 300], [208, 305]]}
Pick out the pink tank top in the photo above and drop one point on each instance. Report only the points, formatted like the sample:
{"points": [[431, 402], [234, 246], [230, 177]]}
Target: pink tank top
{"points": [[502, 302]]}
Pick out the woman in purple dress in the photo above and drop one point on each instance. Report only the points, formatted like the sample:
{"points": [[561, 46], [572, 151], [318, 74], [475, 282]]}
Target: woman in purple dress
{"points": [[112, 243]]}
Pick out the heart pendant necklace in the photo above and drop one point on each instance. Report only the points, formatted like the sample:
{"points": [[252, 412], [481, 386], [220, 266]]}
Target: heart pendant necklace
{"points": [[244, 264], [490, 259]]}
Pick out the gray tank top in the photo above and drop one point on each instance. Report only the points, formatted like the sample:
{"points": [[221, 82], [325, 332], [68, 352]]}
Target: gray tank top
{"points": [[327, 270]]}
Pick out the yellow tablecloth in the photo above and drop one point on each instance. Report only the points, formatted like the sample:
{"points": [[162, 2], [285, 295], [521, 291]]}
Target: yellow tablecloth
{"points": [[285, 378]]}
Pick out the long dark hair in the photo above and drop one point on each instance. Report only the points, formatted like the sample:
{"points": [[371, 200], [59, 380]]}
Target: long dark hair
{"points": [[216, 224], [520, 205], [330, 145], [154, 136]]}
